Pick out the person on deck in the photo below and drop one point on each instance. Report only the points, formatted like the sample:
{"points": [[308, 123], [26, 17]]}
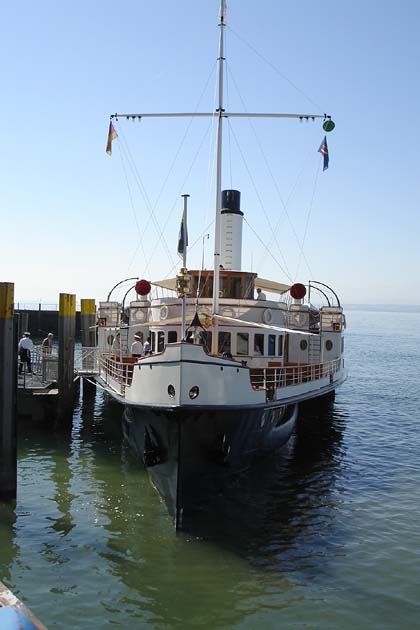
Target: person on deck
{"points": [[147, 348], [137, 346], [261, 295], [25, 348]]}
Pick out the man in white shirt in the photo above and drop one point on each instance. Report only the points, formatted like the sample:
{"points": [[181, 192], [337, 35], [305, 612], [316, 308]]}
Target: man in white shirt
{"points": [[137, 346], [261, 295], [25, 348]]}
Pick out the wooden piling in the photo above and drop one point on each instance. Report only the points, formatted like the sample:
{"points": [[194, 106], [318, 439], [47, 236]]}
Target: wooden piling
{"points": [[66, 334], [8, 384], [88, 321]]}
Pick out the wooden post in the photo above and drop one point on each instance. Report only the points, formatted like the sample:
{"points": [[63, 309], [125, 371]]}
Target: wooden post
{"points": [[66, 334], [8, 384], [88, 321]]}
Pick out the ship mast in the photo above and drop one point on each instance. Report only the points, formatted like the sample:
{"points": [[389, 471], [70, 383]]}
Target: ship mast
{"points": [[221, 113], [217, 235]]}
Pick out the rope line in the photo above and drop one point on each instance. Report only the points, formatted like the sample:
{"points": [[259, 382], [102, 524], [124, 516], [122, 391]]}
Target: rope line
{"points": [[267, 164], [307, 219], [273, 67], [285, 268]]}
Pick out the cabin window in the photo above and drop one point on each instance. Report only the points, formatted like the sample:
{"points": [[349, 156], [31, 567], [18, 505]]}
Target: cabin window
{"points": [[224, 287], [153, 341], [259, 344], [160, 341], [303, 344], [328, 344], [235, 288], [205, 340], [172, 336], [280, 346], [242, 344], [271, 345], [249, 288], [224, 342]]}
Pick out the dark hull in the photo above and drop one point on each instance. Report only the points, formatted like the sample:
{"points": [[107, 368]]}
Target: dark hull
{"points": [[191, 454]]}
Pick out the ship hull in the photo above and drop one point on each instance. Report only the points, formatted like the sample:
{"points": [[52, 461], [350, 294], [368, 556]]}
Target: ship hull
{"points": [[191, 454]]}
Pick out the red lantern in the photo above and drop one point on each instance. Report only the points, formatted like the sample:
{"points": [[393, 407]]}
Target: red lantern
{"points": [[143, 287], [298, 291]]}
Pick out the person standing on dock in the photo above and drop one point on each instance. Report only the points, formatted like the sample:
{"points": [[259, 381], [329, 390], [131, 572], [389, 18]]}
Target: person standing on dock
{"points": [[137, 346], [47, 344], [25, 348]]}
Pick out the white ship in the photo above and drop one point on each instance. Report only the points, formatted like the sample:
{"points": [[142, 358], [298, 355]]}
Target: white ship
{"points": [[227, 371]]}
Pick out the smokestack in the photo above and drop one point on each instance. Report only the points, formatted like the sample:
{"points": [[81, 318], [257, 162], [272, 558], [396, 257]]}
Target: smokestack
{"points": [[231, 226]]}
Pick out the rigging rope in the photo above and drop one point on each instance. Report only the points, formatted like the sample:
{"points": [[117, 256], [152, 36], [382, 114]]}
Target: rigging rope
{"points": [[308, 217], [265, 246], [136, 174], [133, 210], [267, 164], [146, 199], [285, 270], [273, 67]]}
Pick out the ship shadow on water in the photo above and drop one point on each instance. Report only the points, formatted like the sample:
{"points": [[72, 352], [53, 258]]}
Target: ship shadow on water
{"points": [[283, 500]]}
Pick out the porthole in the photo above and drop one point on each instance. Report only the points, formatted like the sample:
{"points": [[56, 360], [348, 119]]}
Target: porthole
{"points": [[303, 344], [110, 339], [267, 316], [194, 391], [171, 391], [163, 312], [137, 315], [328, 344]]}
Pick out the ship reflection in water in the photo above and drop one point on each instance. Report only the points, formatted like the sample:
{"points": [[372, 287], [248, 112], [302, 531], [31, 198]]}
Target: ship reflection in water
{"points": [[270, 505], [89, 523], [272, 502]]}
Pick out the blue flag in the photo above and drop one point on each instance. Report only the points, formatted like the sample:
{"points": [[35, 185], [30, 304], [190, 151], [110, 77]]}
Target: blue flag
{"points": [[182, 236], [323, 149]]}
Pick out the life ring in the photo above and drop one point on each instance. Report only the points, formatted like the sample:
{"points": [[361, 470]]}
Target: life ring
{"points": [[298, 318], [228, 312], [138, 315], [267, 316], [163, 313]]}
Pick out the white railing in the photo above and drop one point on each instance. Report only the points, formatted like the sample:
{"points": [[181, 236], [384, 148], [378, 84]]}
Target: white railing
{"points": [[87, 360], [45, 363], [272, 378], [115, 372]]}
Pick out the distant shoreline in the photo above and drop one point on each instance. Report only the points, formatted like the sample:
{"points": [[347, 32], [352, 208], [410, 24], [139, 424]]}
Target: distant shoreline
{"points": [[390, 308]]}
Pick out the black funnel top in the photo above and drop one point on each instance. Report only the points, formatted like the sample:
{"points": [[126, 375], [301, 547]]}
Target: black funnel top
{"points": [[231, 202]]}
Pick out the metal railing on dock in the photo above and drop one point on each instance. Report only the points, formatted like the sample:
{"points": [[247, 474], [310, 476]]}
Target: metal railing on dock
{"points": [[44, 365]]}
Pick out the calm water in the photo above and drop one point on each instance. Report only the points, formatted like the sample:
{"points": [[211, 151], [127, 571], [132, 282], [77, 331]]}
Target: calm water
{"points": [[327, 535]]}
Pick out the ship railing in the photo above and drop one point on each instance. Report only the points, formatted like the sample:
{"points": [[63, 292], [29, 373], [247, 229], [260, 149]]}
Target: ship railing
{"points": [[117, 372], [273, 378]]}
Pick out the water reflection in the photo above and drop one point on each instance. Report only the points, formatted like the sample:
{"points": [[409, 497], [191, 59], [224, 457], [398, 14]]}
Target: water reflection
{"points": [[96, 526], [263, 512]]}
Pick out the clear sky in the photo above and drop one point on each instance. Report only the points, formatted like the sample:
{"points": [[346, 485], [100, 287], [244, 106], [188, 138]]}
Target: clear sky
{"points": [[76, 220]]}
